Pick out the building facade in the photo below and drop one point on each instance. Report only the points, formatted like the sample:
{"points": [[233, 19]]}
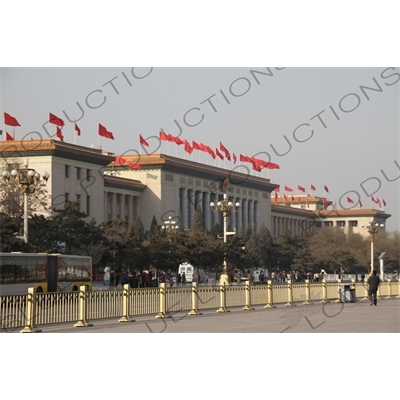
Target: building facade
{"points": [[161, 186]]}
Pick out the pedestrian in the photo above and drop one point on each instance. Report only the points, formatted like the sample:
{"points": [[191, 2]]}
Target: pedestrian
{"points": [[373, 283], [178, 279]]}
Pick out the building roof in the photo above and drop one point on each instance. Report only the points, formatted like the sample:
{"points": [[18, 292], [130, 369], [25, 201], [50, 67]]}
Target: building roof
{"points": [[117, 182], [196, 169], [55, 148], [354, 212]]}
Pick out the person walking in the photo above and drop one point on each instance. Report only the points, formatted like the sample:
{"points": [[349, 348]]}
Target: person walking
{"points": [[373, 283], [183, 279]]}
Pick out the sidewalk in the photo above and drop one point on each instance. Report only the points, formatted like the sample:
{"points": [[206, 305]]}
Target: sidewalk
{"points": [[357, 317]]}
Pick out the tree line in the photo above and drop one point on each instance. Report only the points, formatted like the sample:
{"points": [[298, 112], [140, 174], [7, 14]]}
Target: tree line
{"points": [[113, 243]]}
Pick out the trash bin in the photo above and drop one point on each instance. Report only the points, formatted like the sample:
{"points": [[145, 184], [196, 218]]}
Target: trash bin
{"points": [[347, 293]]}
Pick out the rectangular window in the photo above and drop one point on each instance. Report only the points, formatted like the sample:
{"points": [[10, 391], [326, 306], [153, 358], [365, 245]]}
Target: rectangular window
{"points": [[78, 173], [67, 171], [342, 224], [78, 199], [354, 223], [66, 198], [88, 205], [328, 223], [88, 174]]}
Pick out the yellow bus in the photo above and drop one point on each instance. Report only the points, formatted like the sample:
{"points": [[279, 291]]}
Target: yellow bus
{"points": [[45, 272]]}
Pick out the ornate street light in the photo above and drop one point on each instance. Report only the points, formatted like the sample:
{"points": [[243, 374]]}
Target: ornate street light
{"points": [[169, 225], [225, 207], [27, 178], [372, 227]]}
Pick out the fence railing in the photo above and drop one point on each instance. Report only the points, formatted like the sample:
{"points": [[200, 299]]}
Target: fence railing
{"points": [[37, 309]]}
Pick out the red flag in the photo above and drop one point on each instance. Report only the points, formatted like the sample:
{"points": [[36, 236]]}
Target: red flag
{"points": [[384, 202], [313, 187], [164, 136], [219, 154], [134, 166], [359, 202], [10, 121], [119, 160], [285, 197], [292, 198], [326, 189], [8, 136], [372, 198], [210, 151], [326, 204], [349, 200], [225, 150], [276, 196], [301, 188], [77, 130], [256, 166], [105, 133], [188, 147], [288, 189], [55, 120], [142, 141], [299, 200], [234, 158], [244, 158], [196, 146], [378, 202], [59, 134]]}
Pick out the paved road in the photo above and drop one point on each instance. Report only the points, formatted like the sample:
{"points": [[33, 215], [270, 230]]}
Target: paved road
{"points": [[357, 317]]}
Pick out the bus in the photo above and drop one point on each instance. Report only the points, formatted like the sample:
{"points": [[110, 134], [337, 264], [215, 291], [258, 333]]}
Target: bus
{"points": [[44, 272]]}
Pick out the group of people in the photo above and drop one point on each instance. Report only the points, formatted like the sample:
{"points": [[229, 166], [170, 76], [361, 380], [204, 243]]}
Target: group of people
{"points": [[297, 276], [147, 279]]}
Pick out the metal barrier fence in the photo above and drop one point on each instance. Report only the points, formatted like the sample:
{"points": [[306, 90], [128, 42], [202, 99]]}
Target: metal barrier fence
{"points": [[37, 309]]}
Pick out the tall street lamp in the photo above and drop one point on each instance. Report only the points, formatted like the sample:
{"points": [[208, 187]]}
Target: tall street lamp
{"points": [[169, 225], [27, 178], [225, 207], [372, 227]]}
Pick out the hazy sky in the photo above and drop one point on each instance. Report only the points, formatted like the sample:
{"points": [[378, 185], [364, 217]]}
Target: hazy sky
{"points": [[318, 124]]}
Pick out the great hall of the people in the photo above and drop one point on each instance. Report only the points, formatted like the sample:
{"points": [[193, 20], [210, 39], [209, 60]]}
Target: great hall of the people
{"points": [[167, 186]]}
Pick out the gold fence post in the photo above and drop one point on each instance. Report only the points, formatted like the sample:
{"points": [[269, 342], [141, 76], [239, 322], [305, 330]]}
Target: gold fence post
{"points": [[82, 321], [195, 301], [163, 302], [389, 296], [324, 292], [378, 293], [125, 305], [30, 313], [222, 289], [398, 289], [290, 295], [339, 299], [308, 296], [247, 289], [270, 298]]}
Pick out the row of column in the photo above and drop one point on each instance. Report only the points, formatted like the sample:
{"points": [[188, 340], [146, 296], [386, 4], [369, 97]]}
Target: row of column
{"points": [[294, 225], [247, 214], [118, 205]]}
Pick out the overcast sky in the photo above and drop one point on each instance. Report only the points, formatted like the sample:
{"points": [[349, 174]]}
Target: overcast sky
{"points": [[322, 126]]}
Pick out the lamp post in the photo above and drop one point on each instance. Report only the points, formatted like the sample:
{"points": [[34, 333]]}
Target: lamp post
{"points": [[169, 225], [27, 178], [372, 227], [225, 207]]}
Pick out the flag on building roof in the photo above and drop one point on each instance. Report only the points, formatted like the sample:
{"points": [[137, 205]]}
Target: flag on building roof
{"points": [[78, 131], [59, 134], [374, 200], [134, 166], [326, 189], [196, 146], [219, 154], [10, 121], [244, 158], [234, 158], [119, 160], [143, 141], [301, 188], [188, 147], [225, 150], [288, 189], [384, 202], [105, 133], [313, 187], [359, 203], [164, 136], [349, 200], [8, 136], [378, 202], [55, 120]]}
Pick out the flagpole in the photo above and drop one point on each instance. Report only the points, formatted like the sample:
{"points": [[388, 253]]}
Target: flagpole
{"points": [[74, 130]]}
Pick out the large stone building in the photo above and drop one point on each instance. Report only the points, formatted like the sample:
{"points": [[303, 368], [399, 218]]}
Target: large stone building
{"points": [[163, 186]]}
